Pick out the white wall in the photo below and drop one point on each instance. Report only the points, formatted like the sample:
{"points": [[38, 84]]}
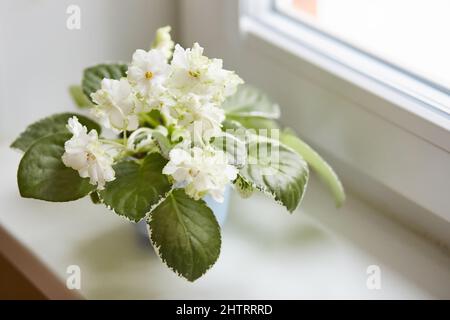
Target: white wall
{"points": [[40, 57]]}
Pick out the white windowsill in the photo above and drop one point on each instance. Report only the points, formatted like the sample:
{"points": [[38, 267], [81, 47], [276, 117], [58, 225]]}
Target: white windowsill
{"points": [[317, 252]]}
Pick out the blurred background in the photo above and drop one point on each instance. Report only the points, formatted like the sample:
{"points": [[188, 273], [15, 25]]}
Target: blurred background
{"points": [[41, 57], [365, 82]]}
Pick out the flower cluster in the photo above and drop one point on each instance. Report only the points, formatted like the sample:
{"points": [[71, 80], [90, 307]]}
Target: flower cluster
{"points": [[187, 89]]}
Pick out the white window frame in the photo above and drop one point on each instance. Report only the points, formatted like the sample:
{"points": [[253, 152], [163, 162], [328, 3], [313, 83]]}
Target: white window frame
{"points": [[387, 147], [430, 95], [428, 106]]}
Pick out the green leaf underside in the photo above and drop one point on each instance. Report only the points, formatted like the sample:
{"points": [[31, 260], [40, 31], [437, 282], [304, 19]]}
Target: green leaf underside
{"points": [[78, 96], [186, 235], [42, 174], [284, 176], [251, 102], [49, 126], [93, 76], [322, 168], [137, 188]]}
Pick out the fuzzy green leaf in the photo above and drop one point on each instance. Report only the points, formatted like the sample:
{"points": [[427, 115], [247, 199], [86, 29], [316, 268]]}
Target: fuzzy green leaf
{"points": [[95, 199], [322, 168], [42, 174], [186, 235], [230, 124], [49, 126], [276, 170], [253, 122], [137, 188], [93, 76], [78, 96], [233, 146], [251, 102]]}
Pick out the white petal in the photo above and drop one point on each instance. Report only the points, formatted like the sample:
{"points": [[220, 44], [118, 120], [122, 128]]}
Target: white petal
{"points": [[75, 161]]}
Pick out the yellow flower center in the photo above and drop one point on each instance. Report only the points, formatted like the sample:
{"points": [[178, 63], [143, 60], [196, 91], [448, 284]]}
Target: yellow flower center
{"points": [[90, 157], [194, 74], [149, 75]]}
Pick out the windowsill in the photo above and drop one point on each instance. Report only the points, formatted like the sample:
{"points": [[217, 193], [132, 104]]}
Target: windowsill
{"points": [[317, 252]]}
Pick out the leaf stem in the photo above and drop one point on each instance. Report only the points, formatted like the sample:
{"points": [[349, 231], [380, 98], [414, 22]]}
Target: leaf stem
{"points": [[125, 139], [112, 142]]}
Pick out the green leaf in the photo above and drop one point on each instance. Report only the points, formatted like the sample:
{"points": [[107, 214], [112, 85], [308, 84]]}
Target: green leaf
{"points": [[251, 102], [93, 76], [95, 197], [49, 126], [324, 170], [79, 97], [163, 143], [233, 146], [138, 187], [152, 118], [252, 122], [230, 124], [42, 174], [276, 170], [243, 187], [186, 235]]}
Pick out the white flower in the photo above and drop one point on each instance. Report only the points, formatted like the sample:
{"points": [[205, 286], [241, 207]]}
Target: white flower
{"points": [[200, 171], [163, 41], [192, 72], [201, 119], [148, 72], [117, 105], [225, 81], [86, 154]]}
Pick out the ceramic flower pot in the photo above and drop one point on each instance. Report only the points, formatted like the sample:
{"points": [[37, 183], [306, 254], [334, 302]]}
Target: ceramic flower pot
{"points": [[220, 211]]}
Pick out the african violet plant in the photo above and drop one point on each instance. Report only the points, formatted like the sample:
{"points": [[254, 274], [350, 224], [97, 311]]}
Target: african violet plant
{"points": [[182, 128]]}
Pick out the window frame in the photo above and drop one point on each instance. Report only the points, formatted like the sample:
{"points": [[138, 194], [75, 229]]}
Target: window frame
{"points": [[404, 90], [430, 93], [387, 148]]}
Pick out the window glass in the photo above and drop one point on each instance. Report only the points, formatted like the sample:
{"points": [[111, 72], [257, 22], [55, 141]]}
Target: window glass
{"points": [[411, 34]]}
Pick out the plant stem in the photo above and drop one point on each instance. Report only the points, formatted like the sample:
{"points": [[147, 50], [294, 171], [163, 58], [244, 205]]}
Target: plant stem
{"points": [[125, 137], [112, 142]]}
